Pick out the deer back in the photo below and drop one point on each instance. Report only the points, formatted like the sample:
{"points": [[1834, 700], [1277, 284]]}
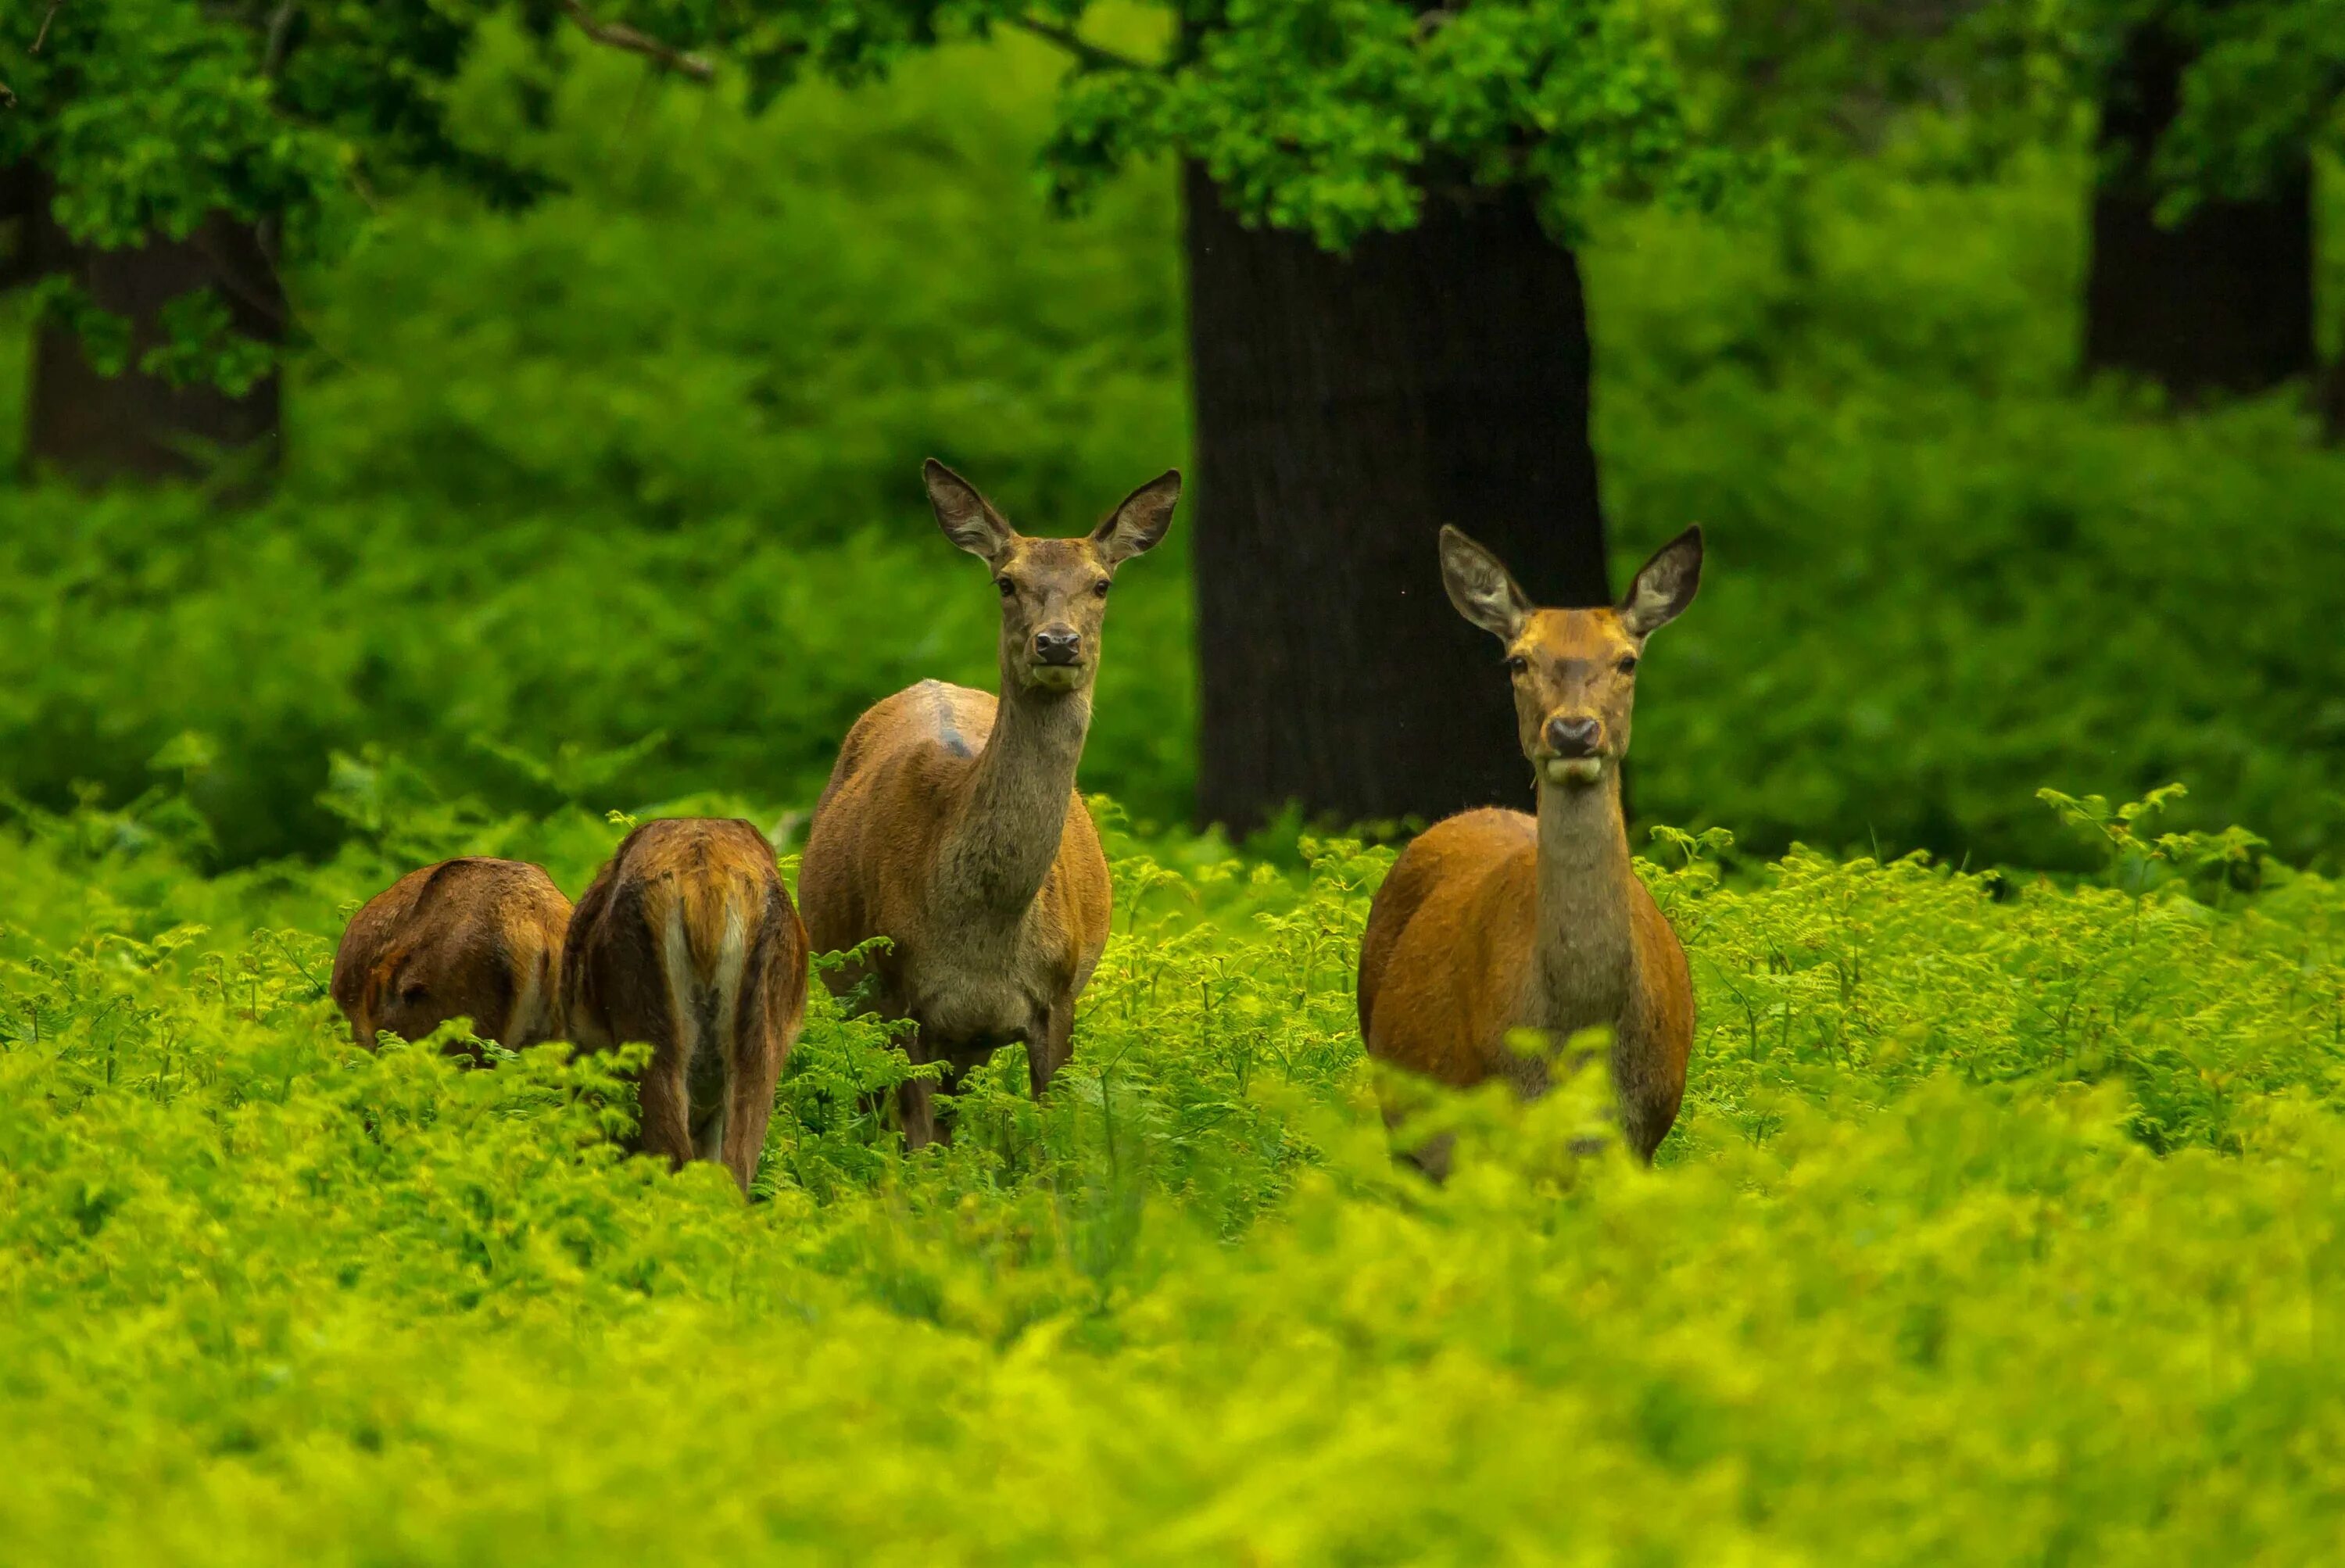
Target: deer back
{"points": [[876, 861], [471, 938], [688, 942], [687, 912], [1444, 963]]}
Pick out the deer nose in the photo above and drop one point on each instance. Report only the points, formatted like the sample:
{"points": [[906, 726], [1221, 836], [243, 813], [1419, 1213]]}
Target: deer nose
{"points": [[1572, 737], [1058, 644]]}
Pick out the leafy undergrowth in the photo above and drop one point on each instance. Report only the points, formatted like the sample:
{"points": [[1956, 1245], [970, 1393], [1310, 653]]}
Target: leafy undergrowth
{"points": [[2000, 1227]]}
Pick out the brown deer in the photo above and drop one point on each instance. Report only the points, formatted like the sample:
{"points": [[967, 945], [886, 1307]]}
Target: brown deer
{"points": [[472, 938], [950, 824], [688, 940], [1492, 919]]}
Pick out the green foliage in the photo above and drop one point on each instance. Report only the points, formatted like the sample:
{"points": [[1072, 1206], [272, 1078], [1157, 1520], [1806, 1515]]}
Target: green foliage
{"points": [[1913, 1279], [740, 321], [146, 115], [150, 114], [2136, 861], [104, 336], [2261, 87], [2265, 88], [201, 347], [642, 461], [1941, 575]]}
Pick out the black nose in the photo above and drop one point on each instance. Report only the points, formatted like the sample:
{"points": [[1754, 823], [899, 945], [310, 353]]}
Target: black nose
{"points": [[1057, 645], [1572, 737]]}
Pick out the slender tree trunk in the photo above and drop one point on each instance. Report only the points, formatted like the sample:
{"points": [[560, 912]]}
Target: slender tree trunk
{"points": [[100, 429], [1346, 407], [2221, 301]]}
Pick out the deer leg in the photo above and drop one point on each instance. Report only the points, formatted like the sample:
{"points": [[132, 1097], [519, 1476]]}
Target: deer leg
{"points": [[667, 1107], [949, 1084], [749, 1103], [914, 1105], [1049, 1047], [1431, 1157]]}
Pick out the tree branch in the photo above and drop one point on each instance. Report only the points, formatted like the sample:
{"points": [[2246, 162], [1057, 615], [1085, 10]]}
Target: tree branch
{"points": [[1086, 52], [619, 36]]}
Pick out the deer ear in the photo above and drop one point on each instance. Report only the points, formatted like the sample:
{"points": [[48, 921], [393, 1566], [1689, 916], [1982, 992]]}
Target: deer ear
{"points": [[1141, 522], [1664, 585], [967, 518], [1482, 588]]}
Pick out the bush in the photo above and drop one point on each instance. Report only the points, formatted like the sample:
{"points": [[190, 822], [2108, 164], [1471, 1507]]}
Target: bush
{"points": [[1913, 1279]]}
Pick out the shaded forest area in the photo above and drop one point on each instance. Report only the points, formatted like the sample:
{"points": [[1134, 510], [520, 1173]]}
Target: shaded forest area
{"points": [[612, 500]]}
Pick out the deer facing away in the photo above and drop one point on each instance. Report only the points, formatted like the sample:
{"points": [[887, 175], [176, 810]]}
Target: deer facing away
{"points": [[472, 937], [950, 824], [1493, 920], [688, 942]]}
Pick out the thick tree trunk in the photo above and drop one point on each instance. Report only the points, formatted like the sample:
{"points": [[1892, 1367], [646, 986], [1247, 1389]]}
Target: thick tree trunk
{"points": [[100, 429], [1346, 407], [2223, 300]]}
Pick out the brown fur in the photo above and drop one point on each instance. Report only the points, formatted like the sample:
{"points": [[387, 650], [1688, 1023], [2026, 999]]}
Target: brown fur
{"points": [[951, 826], [688, 940], [472, 937], [1495, 920]]}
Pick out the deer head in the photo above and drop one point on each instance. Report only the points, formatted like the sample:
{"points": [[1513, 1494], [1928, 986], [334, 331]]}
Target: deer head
{"points": [[1575, 671], [1053, 591]]}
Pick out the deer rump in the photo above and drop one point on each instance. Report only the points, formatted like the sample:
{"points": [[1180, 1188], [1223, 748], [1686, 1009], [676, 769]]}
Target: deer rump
{"points": [[472, 937], [690, 944]]}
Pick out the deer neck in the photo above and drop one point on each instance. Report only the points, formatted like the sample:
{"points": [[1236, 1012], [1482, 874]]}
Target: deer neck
{"points": [[1583, 969], [1007, 835]]}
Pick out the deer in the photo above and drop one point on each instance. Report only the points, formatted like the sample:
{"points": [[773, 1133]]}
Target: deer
{"points": [[688, 940], [1493, 920], [471, 938], [950, 824]]}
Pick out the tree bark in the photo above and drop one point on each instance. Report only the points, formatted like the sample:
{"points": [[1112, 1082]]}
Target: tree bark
{"points": [[101, 429], [1345, 408], [2222, 301]]}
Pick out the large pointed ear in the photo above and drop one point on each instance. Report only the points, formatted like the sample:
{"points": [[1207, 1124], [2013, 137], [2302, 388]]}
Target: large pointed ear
{"points": [[1665, 585], [1141, 522], [1484, 591], [967, 518]]}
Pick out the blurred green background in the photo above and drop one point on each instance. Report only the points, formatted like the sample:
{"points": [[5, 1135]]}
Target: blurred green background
{"points": [[617, 500]]}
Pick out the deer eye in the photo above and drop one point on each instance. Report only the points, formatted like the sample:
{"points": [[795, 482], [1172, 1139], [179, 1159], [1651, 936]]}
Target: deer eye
{"points": [[1627, 663], [1517, 664], [1006, 586], [1100, 588]]}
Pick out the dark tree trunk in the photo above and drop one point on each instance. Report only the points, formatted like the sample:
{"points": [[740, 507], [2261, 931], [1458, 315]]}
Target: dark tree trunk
{"points": [[98, 429], [2220, 302], [1346, 407]]}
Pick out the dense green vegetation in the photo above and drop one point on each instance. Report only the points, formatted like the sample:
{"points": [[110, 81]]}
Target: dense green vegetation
{"points": [[642, 463], [1999, 1228]]}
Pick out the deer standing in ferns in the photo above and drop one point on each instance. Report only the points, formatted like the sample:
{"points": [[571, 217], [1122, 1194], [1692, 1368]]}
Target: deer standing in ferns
{"points": [[688, 940], [472, 937], [1492, 919], [950, 824]]}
